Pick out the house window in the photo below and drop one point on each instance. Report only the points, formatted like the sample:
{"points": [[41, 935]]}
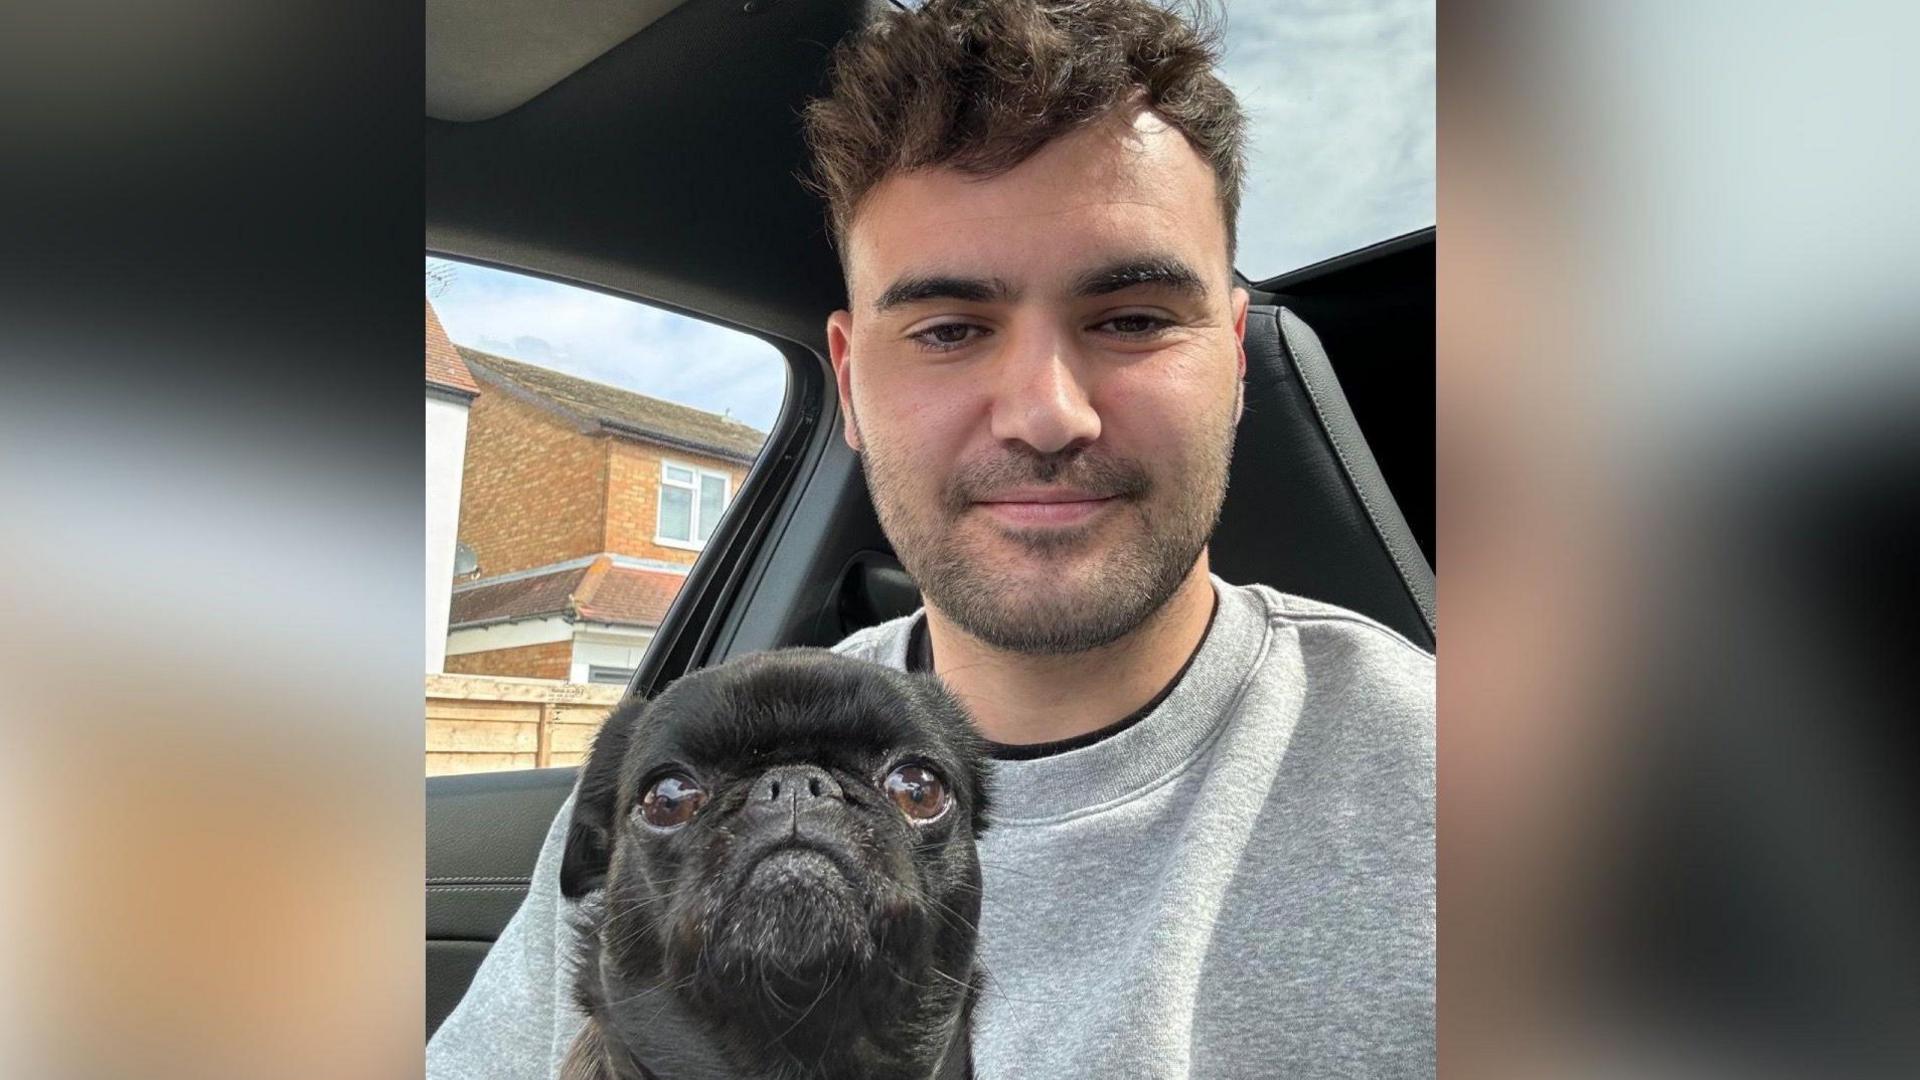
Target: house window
{"points": [[609, 676], [691, 502]]}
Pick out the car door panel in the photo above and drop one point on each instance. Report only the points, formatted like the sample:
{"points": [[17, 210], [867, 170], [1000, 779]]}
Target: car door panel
{"points": [[484, 832]]}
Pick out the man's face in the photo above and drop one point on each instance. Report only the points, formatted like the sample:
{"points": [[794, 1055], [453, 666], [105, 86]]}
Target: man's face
{"points": [[1042, 370]]}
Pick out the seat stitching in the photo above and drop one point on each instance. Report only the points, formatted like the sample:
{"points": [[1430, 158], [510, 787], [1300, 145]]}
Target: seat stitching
{"points": [[1339, 451], [483, 879]]}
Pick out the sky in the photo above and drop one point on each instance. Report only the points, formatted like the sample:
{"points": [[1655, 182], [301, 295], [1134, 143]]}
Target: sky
{"points": [[1339, 96], [618, 342]]}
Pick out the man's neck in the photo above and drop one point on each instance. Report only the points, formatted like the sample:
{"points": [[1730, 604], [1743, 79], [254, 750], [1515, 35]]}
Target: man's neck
{"points": [[1020, 699]]}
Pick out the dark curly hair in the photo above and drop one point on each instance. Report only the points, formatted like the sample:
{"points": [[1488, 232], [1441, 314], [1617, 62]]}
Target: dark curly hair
{"points": [[981, 85]]}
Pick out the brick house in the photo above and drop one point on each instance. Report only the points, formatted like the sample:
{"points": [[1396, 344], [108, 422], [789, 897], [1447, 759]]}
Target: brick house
{"points": [[584, 505]]}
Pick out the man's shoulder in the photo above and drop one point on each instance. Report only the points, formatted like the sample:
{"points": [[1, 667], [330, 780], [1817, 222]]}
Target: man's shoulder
{"points": [[1360, 660], [1332, 624], [884, 643], [1367, 691]]}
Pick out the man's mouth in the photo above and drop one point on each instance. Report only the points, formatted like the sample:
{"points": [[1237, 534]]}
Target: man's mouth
{"points": [[1044, 506]]}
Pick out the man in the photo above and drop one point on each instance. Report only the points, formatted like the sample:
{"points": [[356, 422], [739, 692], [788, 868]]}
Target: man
{"points": [[1212, 854]]}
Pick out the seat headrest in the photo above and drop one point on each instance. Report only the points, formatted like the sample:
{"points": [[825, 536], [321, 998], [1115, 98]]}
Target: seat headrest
{"points": [[1307, 511]]}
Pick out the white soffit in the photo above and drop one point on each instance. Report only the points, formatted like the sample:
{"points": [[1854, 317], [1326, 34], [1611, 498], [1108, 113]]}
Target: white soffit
{"points": [[486, 57]]}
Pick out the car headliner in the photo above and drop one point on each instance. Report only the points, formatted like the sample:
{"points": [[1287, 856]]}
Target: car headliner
{"points": [[666, 168], [485, 57]]}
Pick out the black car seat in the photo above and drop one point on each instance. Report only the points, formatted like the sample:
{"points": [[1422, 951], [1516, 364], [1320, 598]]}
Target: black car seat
{"points": [[1307, 511]]}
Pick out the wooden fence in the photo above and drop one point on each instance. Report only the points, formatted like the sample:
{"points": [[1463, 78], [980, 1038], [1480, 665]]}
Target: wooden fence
{"points": [[478, 723]]}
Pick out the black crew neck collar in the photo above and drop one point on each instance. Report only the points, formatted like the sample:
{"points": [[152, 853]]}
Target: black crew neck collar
{"points": [[920, 659]]}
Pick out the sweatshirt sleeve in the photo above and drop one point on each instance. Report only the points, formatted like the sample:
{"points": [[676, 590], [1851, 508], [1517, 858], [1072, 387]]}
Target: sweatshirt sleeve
{"points": [[518, 1017]]}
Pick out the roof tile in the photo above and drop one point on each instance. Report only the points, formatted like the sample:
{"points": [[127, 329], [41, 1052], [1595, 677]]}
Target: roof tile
{"points": [[623, 409], [526, 598], [629, 596], [600, 592], [445, 368]]}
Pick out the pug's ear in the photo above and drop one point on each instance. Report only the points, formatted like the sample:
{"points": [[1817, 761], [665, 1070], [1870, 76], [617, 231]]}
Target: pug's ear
{"points": [[590, 835]]}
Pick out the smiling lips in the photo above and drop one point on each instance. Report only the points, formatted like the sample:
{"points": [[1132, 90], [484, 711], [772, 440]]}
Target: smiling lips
{"points": [[1044, 506]]}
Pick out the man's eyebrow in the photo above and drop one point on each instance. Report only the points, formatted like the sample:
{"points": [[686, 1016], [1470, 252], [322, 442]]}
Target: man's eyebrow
{"points": [[910, 290], [1167, 273]]}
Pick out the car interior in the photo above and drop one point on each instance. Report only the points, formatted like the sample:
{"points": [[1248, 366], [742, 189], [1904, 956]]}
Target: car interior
{"points": [[652, 150]]}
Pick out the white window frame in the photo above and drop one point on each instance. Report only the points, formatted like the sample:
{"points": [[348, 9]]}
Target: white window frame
{"points": [[693, 489]]}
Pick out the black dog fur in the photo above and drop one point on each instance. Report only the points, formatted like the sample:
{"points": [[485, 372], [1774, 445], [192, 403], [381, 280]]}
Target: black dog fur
{"points": [[782, 933]]}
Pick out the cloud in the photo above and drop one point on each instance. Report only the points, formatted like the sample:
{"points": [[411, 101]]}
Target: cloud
{"points": [[1340, 102]]}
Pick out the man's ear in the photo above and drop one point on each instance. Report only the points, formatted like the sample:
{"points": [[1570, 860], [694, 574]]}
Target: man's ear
{"points": [[590, 835], [839, 348], [1240, 299]]}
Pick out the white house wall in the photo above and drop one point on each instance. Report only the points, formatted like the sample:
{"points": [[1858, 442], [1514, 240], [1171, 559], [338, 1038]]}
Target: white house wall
{"points": [[511, 635], [446, 456], [607, 646]]}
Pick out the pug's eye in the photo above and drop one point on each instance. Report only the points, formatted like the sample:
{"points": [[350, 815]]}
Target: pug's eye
{"points": [[918, 792], [672, 801]]}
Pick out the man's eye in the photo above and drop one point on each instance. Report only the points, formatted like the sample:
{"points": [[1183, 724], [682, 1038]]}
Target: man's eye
{"points": [[947, 336], [1135, 325]]}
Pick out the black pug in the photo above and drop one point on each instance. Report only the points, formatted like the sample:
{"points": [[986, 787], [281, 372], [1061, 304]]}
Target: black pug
{"points": [[780, 880]]}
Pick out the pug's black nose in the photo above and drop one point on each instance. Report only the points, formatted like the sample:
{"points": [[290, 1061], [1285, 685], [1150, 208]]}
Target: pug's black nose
{"points": [[793, 785]]}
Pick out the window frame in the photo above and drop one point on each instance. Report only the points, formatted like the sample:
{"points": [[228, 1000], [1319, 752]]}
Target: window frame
{"points": [[706, 610], [593, 670], [693, 516]]}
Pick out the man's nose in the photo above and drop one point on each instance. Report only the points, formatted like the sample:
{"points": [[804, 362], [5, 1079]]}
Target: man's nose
{"points": [[792, 788], [1041, 397]]}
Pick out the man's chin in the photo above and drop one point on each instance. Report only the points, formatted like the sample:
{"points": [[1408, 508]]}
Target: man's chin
{"points": [[1051, 585], [1051, 618], [1048, 605]]}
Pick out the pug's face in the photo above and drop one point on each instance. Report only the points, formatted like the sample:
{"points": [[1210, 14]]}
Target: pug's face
{"points": [[783, 829]]}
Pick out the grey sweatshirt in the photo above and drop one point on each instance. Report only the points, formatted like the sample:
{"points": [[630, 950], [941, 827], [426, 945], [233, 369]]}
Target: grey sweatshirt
{"points": [[1239, 885]]}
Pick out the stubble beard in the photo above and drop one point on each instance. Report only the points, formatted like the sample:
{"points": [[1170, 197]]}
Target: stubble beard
{"points": [[1049, 599]]}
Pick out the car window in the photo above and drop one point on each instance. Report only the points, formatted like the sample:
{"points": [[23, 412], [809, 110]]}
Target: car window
{"points": [[1339, 96], [581, 449]]}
